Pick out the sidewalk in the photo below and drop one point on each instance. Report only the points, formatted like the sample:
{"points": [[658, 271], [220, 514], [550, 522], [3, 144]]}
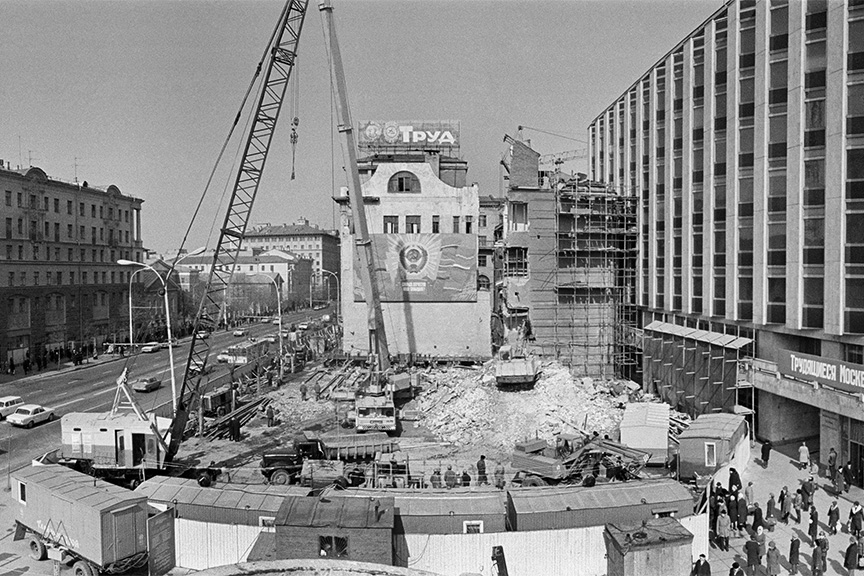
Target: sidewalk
{"points": [[783, 471], [53, 370]]}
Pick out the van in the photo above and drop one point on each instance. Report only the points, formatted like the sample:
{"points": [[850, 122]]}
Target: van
{"points": [[8, 405]]}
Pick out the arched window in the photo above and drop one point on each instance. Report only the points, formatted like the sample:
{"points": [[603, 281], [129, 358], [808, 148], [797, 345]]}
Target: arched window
{"points": [[483, 282], [404, 182]]}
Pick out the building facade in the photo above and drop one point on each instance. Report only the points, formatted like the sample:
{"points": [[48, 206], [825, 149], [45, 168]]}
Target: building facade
{"points": [[745, 147], [61, 288], [423, 224]]}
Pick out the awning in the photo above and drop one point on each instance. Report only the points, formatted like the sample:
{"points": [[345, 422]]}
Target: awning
{"points": [[715, 338]]}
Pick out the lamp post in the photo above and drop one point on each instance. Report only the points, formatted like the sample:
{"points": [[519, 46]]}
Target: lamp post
{"points": [[143, 266], [338, 289], [279, 307]]}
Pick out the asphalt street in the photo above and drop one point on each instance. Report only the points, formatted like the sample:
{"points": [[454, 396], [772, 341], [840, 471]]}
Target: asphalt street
{"points": [[91, 388]]}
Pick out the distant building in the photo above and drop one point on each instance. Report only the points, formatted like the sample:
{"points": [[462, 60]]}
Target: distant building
{"points": [[60, 286], [423, 223]]}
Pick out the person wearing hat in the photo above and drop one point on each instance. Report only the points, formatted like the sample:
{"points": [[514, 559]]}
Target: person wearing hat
{"points": [[817, 561], [736, 570], [773, 559], [701, 567], [435, 479], [856, 518], [724, 530], [751, 549], [833, 518], [785, 505], [794, 552], [850, 559], [450, 477]]}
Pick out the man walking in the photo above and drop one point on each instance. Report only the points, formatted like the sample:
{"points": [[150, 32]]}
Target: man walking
{"points": [[701, 567], [833, 518], [481, 471], [803, 456], [847, 476], [271, 416], [850, 559], [766, 452], [499, 475], [832, 463]]}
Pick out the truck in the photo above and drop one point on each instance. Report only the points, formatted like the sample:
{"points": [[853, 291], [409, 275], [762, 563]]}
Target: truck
{"points": [[285, 466], [573, 460], [75, 519]]}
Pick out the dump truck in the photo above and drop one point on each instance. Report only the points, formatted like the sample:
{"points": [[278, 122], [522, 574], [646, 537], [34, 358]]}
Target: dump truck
{"points": [[517, 372], [575, 459], [283, 466], [76, 519]]}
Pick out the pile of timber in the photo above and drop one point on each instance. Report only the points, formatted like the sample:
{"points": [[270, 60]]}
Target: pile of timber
{"points": [[678, 422], [220, 429]]}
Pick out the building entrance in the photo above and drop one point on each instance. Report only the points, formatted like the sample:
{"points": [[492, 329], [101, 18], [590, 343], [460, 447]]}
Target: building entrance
{"points": [[856, 455]]}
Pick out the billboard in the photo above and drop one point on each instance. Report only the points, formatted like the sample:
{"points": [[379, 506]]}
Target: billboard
{"points": [[409, 135], [423, 268], [833, 373]]}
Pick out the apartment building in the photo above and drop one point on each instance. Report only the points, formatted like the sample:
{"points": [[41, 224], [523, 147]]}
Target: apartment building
{"points": [[60, 286], [744, 145]]}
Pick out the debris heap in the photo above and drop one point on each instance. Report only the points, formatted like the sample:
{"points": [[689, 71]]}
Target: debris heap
{"points": [[464, 406]]}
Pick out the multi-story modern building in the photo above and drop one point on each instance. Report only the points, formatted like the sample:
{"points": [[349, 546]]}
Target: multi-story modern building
{"points": [[745, 147], [422, 220], [61, 288]]}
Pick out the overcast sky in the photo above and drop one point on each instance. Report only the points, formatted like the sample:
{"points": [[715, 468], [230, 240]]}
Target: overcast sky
{"points": [[143, 93]]}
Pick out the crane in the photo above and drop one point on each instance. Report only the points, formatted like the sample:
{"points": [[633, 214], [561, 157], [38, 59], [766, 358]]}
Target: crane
{"points": [[559, 158]]}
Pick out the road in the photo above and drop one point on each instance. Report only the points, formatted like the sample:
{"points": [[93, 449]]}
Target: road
{"points": [[92, 388]]}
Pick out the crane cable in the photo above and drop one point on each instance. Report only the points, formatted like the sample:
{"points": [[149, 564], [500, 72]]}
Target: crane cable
{"points": [[267, 52], [295, 108]]}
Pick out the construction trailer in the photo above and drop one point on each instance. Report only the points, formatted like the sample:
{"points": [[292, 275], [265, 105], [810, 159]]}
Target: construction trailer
{"points": [[659, 546], [711, 445], [72, 517], [569, 278], [645, 426]]}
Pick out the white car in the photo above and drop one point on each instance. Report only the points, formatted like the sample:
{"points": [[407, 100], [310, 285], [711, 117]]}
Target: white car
{"points": [[29, 415], [203, 335], [303, 326], [270, 338], [146, 384], [239, 332], [223, 357], [151, 347], [8, 405]]}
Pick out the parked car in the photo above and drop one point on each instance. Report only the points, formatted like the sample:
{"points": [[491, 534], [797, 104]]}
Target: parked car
{"points": [[272, 338], [203, 334], [8, 405], [151, 347], [223, 357], [303, 326], [239, 332], [29, 415], [146, 384]]}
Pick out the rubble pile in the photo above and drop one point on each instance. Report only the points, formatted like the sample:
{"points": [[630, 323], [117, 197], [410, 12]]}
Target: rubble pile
{"points": [[464, 407], [296, 414]]}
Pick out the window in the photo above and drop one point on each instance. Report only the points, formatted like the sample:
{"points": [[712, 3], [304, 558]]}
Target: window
{"points": [[405, 182], [456, 224], [516, 262], [57, 205], [332, 547], [518, 215], [69, 207], [8, 198], [92, 210], [472, 527], [481, 260], [267, 523], [391, 224], [436, 224], [412, 224], [81, 209], [483, 282], [482, 221], [469, 224], [710, 454], [22, 492]]}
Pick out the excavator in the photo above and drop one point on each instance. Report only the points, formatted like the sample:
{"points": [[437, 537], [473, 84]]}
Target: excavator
{"points": [[127, 447]]}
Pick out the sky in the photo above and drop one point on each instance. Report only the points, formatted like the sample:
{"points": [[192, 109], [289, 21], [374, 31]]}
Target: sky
{"points": [[142, 93]]}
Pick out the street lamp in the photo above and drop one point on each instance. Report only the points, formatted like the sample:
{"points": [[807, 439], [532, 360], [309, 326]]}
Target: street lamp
{"points": [[279, 307], [338, 289], [142, 266]]}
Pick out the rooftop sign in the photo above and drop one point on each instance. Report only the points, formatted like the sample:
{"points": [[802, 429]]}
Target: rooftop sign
{"points": [[409, 135]]}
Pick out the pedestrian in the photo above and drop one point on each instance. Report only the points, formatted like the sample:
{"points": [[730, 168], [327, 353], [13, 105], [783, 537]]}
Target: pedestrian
{"points": [[848, 476], [701, 567], [481, 471], [720, 491], [803, 456], [856, 519], [466, 478], [751, 549], [450, 477], [797, 505], [316, 389], [234, 428], [758, 519], [271, 416], [499, 475], [773, 559], [838, 481], [794, 551], [714, 509], [833, 518], [762, 540], [807, 489], [12, 366], [766, 452], [832, 463], [748, 494], [785, 505], [303, 392], [742, 513], [850, 559], [816, 563], [822, 542], [770, 512], [813, 527], [435, 479], [733, 512], [734, 480], [736, 570], [724, 530]]}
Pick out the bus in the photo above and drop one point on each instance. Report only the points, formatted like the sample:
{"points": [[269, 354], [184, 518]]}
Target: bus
{"points": [[246, 352]]}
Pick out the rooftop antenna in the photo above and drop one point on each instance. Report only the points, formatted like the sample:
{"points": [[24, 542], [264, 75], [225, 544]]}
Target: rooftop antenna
{"points": [[75, 168], [20, 161], [30, 157]]}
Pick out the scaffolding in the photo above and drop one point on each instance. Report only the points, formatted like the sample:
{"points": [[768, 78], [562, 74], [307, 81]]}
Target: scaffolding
{"points": [[583, 312]]}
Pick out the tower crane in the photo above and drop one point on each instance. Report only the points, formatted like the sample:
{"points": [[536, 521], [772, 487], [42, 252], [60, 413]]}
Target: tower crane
{"points": [[559, 158]]}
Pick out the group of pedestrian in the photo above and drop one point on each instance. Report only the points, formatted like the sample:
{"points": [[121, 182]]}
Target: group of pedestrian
{"points": [[450, 479], [316, 391]]}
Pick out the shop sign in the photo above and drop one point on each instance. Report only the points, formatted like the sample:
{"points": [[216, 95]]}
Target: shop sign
{"points": [[411, 135], [833, 373]]}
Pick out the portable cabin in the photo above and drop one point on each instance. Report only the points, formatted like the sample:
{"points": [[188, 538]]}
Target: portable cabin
{"points": [[646, 427], [119, 440], [341, 528], [97, 521], [660, 546], [712, 444], [216, 526], [559, 507]]}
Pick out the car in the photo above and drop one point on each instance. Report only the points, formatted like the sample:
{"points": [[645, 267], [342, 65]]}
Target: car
{"points": [[8, 405], [270, 338], [265, 320], [151, 347], [223, 357], [146, 384], [303, 326], [239, 332], [29, 415], [195, 368], [203, 334]]}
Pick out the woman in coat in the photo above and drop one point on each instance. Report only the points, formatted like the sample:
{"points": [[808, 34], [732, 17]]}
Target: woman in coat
{"points": [[796, 505], [762, 540], [742, 512], [758, 520], [833, 517], [856, 518], [771, 507], [785, 505], [813, 527], [794, 551], [816, 564], [773, 559], [724, 530]]}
